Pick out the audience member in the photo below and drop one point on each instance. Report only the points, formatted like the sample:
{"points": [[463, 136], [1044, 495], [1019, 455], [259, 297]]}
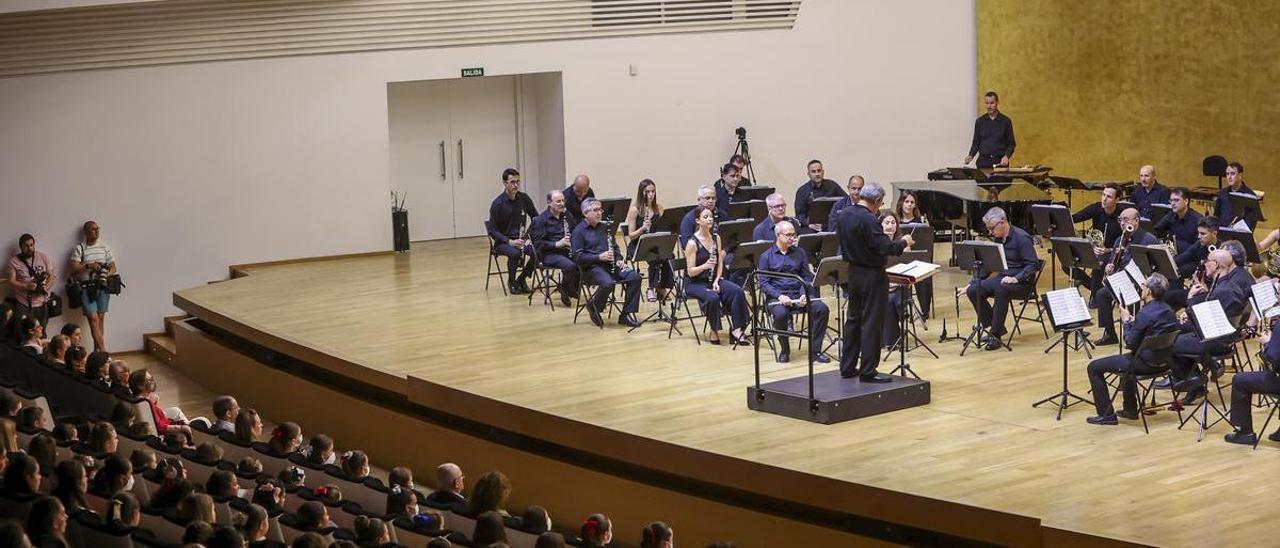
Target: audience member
{"points": [[172, 492], [66, 432], [32, 336], [401, 503], [490, 494], [270, 495], [550, 540], [597, 531], [221, 484], [355, 465], [22, 475], [102, 439], [257, 524], [91, 263], [197, 533], [47, 523], [77, 359], [143, 385], [56, 353], [449, 486], [439, 542], [657, 535], [8, 435], [44, 449], [489, 529], [535, 520], [285, 440], [70, 483], [143, 460], [225, 409], [197, 506], [371, 532], [116, 476], [119, 373], [320, 451], [249, 466], [75, 337], [248, 427], [123, 513], [12, 535], [225, 536], [10, 404], [308, 540], [32, 419], [312, 515]]}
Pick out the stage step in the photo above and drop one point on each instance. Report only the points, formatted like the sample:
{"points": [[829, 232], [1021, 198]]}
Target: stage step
{"points": [[161, 345], [836, 399]]}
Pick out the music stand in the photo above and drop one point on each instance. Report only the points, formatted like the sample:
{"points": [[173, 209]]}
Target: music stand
{"points": [[733, 233], [908, 305], [1158, 211], [1147, 225], [1052, 221], [1154, 258], [651, 247], [975, 256], [819, 245], [1076, 254], [755, 192], [1065, 331], [1244, 206], [820, 209], [1245, 238], [834, 271], [740, 210], [671, 217], [615, 209], [922, 234]]}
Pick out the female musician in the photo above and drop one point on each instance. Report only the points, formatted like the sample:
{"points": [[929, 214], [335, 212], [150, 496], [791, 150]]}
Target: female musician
{"points": [[908, 211], [705, 271], [644, 209], [889, 221]]}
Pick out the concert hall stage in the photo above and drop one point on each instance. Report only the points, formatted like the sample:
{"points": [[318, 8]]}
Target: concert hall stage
{"points": [[409, 358]]}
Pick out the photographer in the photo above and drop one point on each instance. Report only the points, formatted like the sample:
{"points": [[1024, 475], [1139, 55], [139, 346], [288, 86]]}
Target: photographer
{"points": [[93, 265], [31, 276]]}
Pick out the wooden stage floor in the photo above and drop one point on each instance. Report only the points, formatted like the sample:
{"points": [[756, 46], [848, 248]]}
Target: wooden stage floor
{"points": [[979, 442]]}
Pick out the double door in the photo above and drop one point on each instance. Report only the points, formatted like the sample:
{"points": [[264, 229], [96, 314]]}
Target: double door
{"points": [[450, 140]]}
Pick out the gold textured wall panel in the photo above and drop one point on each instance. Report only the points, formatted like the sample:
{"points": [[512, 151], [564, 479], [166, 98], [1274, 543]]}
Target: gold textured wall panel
{"points": [[1098, 88]]}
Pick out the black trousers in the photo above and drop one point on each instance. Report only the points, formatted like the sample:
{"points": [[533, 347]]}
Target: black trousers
{"points": [[568, 272], [1116, 364], [989, 160], [604, 281], [661, 275], [1106, 302], [513, 255], [993, 314], [818, 314], [1188, 350], [1243, 387], [868, 309]]}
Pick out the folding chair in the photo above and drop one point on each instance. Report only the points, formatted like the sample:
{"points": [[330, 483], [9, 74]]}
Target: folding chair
{"points": [[1032, 298], [1158, 344], [495, 266]]}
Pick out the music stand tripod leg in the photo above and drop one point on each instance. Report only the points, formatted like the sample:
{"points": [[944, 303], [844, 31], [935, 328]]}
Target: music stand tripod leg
{"points": [[1064, 397]]}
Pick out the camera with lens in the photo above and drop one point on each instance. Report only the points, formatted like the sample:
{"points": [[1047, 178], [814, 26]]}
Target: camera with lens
{"points": [[742, 132], [39, 278]]}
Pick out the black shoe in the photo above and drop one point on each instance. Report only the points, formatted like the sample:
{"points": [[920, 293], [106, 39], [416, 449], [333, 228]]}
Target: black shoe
{"points": [[876, 378], [1163, 384], [628, 320], [565, 300], [784, 356], [784, 350], [516, 289], [1131, 415], [1275, 436], [1189, 385], [1242, 438], [595, 315], [523, 284], [992, 343], [820, 357], [1108, 339], [1105, 420], [844, 375], [1217, 370]]}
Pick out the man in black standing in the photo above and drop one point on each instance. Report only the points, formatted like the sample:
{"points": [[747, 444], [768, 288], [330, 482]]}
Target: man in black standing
{"points": [[865, 246], [818, 186], [993, 141]]}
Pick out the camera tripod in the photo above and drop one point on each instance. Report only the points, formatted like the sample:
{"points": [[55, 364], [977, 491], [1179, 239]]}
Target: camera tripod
{"points": [[745, 150]]}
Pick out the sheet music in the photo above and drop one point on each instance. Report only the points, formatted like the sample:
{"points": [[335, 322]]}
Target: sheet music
{"points": [[1211, 320], [1123, 288], [1135, 272], [1067, 307], [1264, 298], [916, 270], [1240, 226]]}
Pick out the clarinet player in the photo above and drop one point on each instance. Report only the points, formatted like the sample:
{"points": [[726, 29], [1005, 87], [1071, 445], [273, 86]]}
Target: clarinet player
{"points": [[596, 253]]}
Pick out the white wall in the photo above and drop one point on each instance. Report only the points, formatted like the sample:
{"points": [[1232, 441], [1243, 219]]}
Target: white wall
{"points": [[191, 168]]}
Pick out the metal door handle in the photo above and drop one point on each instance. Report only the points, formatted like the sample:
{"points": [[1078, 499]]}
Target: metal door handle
{"points": [[443, 174], [460, 162]]}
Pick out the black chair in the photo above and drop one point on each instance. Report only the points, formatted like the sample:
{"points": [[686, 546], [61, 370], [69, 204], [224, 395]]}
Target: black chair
{"points": [[495, 265], [583, 300], [1032, 298], [1214, 166], [1158, 345], [545, 280], [680, 301]]}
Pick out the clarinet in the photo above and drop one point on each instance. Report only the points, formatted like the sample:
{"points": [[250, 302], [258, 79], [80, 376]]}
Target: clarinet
{"points": [[715, 245], [618, 266]]}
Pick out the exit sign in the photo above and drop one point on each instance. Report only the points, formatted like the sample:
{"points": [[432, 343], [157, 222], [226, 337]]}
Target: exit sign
{"points": [[472, 72]]}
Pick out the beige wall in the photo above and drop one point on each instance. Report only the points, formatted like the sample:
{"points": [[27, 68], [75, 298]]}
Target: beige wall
{"points": [[194, 167], [1097, 89]]}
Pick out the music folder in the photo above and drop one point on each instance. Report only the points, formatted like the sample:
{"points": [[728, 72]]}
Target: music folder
{"points": [[1075, 252], [820, 210], [1245, 238], [671, 217], [923, 236], [1158, 211], [1052, 220], [748, 254], [756, 192], [615, 209], [1210, 320], [819, 245], [1155, 257], [1067, 309], [741, 209], [912, 272], [974, 254], [1244, 206], [831, 271], [733, 233]]}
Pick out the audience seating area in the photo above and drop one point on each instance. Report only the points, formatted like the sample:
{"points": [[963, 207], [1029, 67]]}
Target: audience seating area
{"points": [[297, 485]]}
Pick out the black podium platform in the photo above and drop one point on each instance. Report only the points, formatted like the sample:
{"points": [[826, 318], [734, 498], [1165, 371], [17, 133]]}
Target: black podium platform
{"points": [[838, 399]]}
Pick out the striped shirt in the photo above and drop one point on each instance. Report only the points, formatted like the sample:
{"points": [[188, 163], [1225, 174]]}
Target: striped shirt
{"points": [[96, 253]]}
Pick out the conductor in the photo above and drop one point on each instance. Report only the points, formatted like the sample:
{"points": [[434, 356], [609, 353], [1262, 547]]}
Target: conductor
{"points": [[865, 246]]}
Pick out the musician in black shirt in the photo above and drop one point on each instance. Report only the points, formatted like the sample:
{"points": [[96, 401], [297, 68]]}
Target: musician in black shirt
{"points": [[1189, 260], [1104, 299], [575, 193], [1149, 191], [1181, 222], [865, 247], [741, 163], [727, 186], [1104, 216], [552, 237], [818, 186], [1222, 208], [594, 249], [510, 217], [1154, 318], [854, 188], [993, 141]]}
